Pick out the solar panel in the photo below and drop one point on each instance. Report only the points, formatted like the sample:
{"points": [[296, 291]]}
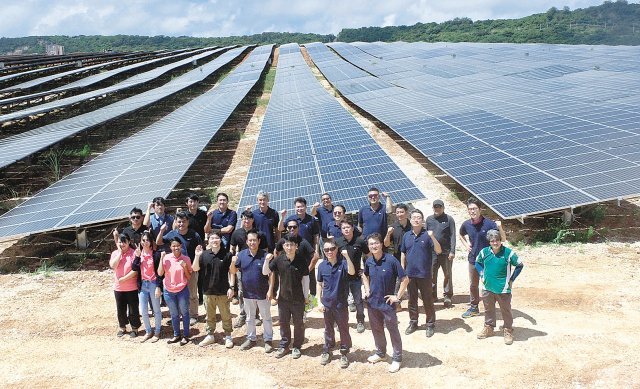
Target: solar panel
{"points": [[139, 168], [320, 147], [490, 137], [19, 146]]}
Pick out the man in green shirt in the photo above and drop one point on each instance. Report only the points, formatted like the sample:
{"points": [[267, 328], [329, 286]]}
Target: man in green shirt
{"points": [[498, 267]]}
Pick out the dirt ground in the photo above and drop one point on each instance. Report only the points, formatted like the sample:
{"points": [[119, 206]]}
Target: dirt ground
{"points": [[576, 309]]}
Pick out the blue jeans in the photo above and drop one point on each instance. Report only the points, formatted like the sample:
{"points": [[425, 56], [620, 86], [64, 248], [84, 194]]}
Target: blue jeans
{"points": [[378, 319], [148, 292], [178, 304], [355, 287]]}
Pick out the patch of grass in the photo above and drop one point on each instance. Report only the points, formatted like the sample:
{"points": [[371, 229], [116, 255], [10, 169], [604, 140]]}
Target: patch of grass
{"points": [[45, 269], [84, 152]]}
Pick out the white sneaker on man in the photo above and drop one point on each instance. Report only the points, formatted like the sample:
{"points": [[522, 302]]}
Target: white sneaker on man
{"points": [[375, 358], [209, 339], [228, 342], [394, 367]]}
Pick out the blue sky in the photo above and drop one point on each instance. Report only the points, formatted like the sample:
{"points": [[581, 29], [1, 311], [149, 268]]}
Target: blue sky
{"points": [[210, 18]]}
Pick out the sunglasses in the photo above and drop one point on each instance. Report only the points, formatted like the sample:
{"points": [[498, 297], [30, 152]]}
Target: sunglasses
{"points": [[338, 213], [136, 217], [329, 249], [373, 196], [325, 199], [291, 227]]}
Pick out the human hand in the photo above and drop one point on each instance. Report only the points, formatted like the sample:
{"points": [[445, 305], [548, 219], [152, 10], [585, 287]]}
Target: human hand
{"points": [[199, 250], [230, 293], [316, 204], [138, 250], [391, 298]]}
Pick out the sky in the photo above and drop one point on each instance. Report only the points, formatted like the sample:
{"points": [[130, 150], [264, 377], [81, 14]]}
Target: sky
{"points": [[216, 18]]}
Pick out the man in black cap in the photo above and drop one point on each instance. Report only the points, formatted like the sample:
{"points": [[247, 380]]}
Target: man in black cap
{"points": [[444, 230]]}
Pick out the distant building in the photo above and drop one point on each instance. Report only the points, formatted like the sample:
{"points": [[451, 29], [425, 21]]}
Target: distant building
{"points": [[54, 49]]}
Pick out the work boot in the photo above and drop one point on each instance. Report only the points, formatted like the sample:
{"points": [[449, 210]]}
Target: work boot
{"points": [[508, 336], [486, 332]]}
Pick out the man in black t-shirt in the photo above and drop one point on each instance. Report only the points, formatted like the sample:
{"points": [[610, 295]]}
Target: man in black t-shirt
{"points": [[354, 247]]}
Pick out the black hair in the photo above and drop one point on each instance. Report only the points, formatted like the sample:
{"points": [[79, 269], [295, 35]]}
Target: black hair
{"points": [[223, 195], [248, 214], [300, 200]]}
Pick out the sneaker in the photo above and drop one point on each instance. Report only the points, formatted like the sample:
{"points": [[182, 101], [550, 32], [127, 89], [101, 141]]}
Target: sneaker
{"points": [[486, 332], [508, 336], [429, 332], [193, 321], [296, 353], [281, 352], [147, 336], [175, 339], [133, 333], [209, 339], [325, 358], [155, 339], [394, 367], [447, 302], [228, 342], [247, 344], [344, 361], [240, 321], [411, 329], [360, 327], [184, 341], [121, 333], [472, 311], [352, 307], [375, 358], [268, 347]]}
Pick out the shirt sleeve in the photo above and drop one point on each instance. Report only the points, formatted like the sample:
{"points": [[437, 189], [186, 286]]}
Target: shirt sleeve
{"points": [[366, 268], [463, 229], [513, 259], [399, 270], [239, 263], [315, 226], [188, 262], [319, 278], [166, 238], [273, 265], [480, 257], [276, 219], [360, 221], [233, 219], [452, 229]]}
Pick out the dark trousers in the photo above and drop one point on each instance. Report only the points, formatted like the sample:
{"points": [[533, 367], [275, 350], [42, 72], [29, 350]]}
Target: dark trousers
{"points": [[378, 319], [474, 280], [312, 282], [200, 287], [422, 285], [355, 286], [504, 301], [338, 316], [128, 301], [442, 261], [291, 311]]}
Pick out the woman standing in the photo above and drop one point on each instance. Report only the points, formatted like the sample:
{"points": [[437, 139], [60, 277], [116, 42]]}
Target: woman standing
{"points": [[125, 287], [176, 269], [149, 286]]}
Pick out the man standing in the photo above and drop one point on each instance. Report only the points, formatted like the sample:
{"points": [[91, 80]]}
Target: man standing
{"points": [[134, 230], [293, 272], [266, 220], [215, 264], [190, 240], [395, 232], [380, 273], [197, 221], [333, 281], [373, 217], [473, 234], [324, 213], [352, 246], [495, 265], [156, 219], [222, 219], [444, 230], [253, 264], [417, 246]]}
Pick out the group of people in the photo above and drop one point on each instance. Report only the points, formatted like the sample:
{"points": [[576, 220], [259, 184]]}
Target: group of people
{"points": [[276, 259]]}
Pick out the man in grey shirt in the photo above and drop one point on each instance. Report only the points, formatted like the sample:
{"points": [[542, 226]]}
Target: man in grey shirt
{"points": [[444, 230]]}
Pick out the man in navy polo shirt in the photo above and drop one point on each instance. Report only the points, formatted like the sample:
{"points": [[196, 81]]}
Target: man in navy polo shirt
{"points": [[253, 263], [333, 283], [473, 234], [395, 232], [334, 227], [373, 217], [380, 273], [266, 220], [416, 259], [324, 213], [353, 246], [222, 218]]}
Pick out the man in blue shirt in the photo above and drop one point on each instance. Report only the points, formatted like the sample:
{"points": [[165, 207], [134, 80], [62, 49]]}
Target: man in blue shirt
{"points": [[416, 248], [353, 246], [266, 220], [253, 263], [380, 273], [324, 213], [222, 218], [333, 283], [334, 227], [156, 219], [373, 217], [473, 234]]}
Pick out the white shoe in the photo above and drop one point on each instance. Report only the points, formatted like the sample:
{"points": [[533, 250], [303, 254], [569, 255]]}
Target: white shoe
{"points": [[228, 342], [394, 367], [209, 339], [375, 358]]}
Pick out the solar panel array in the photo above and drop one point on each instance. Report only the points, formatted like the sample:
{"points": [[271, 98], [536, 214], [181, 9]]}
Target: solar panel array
{"points": [[309, 144], [19, 146], [526, 128], [145, 165]]}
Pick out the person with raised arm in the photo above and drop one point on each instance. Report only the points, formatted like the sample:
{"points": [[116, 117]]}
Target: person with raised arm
{"points": [[125, 288]]}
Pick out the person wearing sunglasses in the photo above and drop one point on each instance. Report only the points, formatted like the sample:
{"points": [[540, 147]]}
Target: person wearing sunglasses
{"points": [[333, 227], [373, 217], [304, 249], [134, 230], [125, 287], [333, 284]]}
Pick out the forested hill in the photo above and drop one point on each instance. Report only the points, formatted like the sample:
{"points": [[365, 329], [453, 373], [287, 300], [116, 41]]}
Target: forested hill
{"points": [[612, 23], [98, 43]]}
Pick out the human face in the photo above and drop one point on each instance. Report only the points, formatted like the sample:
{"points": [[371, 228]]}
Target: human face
{"points": [[416, 220], [214, 241], [338, 214], [176, 249], [474, 211], [495, 244], [247, 223], [438, 210], [183, 224], [290, 248], [330, 251], [301, 209], [146, 243], [253, 242], [192, 205], [123, 244], [292, 229], [401, 214], [158, 208], [374, 197], [326, 201], [347, 230], [263, 202], [223, 203], [375, 247], [136, 219]]}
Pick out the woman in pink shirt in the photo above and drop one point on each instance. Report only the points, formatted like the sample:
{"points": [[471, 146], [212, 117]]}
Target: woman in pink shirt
{"points": [[176, 269], [149, 286], [125, 287]]}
